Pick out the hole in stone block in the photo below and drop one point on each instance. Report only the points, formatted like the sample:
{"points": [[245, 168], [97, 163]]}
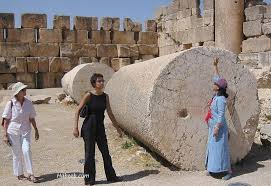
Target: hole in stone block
{"points": [[5, 34], [64, 34], [136, 36], [89, 35], [201, 43], [183, 113], [111, 35]]}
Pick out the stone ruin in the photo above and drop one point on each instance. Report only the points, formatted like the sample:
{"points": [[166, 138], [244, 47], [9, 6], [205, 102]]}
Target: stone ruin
{"points": [[39, 57]]}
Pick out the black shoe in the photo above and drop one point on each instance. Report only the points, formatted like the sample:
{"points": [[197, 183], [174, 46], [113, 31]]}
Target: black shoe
{"points": [[90, 183], [116, 179]]}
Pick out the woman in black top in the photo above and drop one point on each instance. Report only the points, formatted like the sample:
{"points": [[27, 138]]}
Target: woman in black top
{"points": [[93, 130]]}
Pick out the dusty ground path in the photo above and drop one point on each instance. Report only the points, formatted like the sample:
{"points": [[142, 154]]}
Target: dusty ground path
{"points": [[58, 151]]}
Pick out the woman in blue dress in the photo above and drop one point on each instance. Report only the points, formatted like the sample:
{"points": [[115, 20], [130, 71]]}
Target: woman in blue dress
{"points": [[218, 155]]}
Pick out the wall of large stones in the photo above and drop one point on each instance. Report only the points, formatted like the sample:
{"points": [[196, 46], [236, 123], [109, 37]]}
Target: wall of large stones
{"points": [[39, 56], [181, 25], [256, 54]]}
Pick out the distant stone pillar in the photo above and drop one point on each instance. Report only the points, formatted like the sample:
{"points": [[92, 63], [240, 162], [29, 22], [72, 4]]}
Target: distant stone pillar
{"points": [[229, 18]]}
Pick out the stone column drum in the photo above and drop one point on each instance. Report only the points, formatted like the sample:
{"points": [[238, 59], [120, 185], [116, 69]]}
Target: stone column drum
{"points": [[77, 81], [162, 102]]}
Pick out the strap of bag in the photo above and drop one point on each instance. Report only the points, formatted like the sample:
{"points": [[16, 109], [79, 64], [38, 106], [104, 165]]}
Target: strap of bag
{"points": [[11, 105]]}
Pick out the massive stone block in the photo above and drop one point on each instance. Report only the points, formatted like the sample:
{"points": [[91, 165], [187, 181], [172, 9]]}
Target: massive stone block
{"points": [[77, 50], [123, 37], [32, 64], [7, 78], [21, 64], [59, 64], [260, 44], [62, 22], [77, 36], [50, 36], [168, 108], [21, 35], [100, 37], [44, 49], [9, 49], [149, 38], [117, 63], [85, 23], [7, 20], [43, 64], [107, 51], [255, 13], [76, 82], [148, 50], [124, 51], [116, 24], [7, 65], [106, 23], [27, 78], [34, 21], [252, 28], [151, 26]]}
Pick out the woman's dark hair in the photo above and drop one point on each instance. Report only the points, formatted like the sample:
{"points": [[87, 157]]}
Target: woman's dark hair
{"points": [[223, 92], [94, 78]]}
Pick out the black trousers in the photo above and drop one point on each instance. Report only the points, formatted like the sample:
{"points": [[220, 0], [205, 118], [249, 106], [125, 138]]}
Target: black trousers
{"points": [[93, 132]]}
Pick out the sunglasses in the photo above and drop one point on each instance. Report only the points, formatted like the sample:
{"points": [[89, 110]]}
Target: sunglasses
{"points": [[100, 81]]}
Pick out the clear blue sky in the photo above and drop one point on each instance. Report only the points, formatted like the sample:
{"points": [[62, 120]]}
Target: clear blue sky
{"points": [[138, 10]]}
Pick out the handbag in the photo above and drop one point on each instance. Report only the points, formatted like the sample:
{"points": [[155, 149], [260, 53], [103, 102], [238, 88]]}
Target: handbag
{"points": [[209, 113], [84, 111], [3, 119]]}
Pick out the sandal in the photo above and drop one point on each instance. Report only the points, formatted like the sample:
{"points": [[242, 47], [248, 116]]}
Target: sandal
{"points": [[32, 178], [21, 177]]}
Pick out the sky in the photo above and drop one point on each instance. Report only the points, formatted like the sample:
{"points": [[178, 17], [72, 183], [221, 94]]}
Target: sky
{"points": [[138, 10]]}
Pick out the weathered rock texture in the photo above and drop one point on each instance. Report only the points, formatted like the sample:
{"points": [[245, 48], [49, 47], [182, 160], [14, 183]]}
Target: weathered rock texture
{"points": [[77, 82], [40, 57], [162, 104]]}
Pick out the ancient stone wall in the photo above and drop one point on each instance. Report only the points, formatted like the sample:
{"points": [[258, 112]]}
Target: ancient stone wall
{"points": [[181, 25], [39, 56], [256, 54]]}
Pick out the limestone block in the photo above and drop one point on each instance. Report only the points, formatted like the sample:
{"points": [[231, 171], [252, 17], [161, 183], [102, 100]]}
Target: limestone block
{"points": [[148, 50], [123, 37], [85, 23], [10, 49], [77, 50], [209, 43], [105, 60], [255, 13], [76, 36], [265, 102], [137, 27], [61, 22], [83, 60], [44, 49], [59, 64], [128, 24], [34, 21], [50, 80], [50, 36], [151, 26], [106, 23], [21, 35], [100, 37], [7, 20], [173, 96], [266, 28], [107, 51], [32, 64], [7, 65], [21, 64], [134, 51], [148, 38], [147, 57], [203, 34], [117, 63], [184, 13], [116, 23], [260, 44], [76, 82], [43, 63], [252, 28], [27, 78], [249, 59], [7, 78], [123, 51]]}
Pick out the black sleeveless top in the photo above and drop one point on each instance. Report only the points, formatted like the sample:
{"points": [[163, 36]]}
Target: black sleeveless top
{"points": [[97, 104]]}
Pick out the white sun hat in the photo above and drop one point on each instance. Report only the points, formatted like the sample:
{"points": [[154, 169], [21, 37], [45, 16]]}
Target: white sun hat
{"points": [[17, 87]]}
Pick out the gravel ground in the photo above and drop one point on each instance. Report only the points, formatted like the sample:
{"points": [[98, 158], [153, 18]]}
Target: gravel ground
{"points": [[58, 156]]}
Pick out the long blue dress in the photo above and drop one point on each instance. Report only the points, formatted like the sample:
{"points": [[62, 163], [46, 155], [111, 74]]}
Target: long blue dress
{"points": [[217, 155]]}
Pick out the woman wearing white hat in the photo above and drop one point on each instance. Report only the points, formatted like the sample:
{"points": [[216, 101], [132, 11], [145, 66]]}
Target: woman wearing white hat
{"points": [[18, 116]]}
